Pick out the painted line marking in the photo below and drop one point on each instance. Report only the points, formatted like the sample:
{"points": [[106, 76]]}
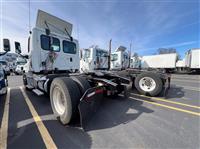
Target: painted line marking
{"points": [[173, 102], [32, 120], [168, 107], [4, 123], [41, 127], [185, 87], [182, 80]]}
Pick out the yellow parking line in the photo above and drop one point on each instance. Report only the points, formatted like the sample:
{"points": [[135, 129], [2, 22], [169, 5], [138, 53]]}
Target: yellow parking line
{"points": [[42, 129], [182, 80], [4, 123], [169, 107], [164, 100]]}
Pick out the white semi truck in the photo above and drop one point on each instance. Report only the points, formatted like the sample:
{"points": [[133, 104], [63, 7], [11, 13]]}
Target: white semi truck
{"points": [[54, 70], [93, 58], [146, 82], [54, 64], [20, 64], [119, 59]]}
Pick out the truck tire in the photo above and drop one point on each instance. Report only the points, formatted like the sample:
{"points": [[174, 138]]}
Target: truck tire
{"points": [[148, 83], [65, 96], [82, 83]]}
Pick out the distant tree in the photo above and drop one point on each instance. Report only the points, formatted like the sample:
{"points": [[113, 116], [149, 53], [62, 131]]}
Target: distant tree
{"points": [[166, 50]]}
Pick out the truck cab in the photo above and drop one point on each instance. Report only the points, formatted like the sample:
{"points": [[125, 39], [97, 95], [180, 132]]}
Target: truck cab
{"points": [[119, 59], [93, 59], [135, 62], [21, 62], [53, 51]]}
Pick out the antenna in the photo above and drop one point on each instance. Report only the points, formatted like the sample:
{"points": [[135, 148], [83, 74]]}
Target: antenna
{"points": [[109, 53], [29, 13], [130, 55]]}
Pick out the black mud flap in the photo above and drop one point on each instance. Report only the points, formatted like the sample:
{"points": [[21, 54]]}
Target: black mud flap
{"points": [[89, 104], [167, 86]]}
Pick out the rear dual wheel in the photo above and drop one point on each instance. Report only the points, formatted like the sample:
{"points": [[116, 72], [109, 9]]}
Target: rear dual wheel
{"points": [[65, 94]]}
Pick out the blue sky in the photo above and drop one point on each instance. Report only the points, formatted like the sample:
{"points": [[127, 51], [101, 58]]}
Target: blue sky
{"points": [[148, 25]]}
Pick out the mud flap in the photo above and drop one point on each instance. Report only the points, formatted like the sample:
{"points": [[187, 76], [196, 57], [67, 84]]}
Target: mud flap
{"points": [[89, 104], [167, 86]]}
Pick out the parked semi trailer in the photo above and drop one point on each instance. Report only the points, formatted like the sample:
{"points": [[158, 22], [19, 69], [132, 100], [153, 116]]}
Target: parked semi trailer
{"points": [[146, 82], [54, 70], [165, 62], [192, 60]]}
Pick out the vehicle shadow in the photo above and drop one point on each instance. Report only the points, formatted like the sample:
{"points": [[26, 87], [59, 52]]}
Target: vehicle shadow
{"points": [[113, 112], [175, 92]]}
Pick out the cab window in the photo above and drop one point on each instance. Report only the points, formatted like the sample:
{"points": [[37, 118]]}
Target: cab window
{"points": [[86, 53], [69, 47], [114, 57], [101, 53], [50, 43]]}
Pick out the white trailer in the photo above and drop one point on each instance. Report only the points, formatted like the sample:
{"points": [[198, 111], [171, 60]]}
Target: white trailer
{"points": [[161, 61], [192, 60], [119, 59]]}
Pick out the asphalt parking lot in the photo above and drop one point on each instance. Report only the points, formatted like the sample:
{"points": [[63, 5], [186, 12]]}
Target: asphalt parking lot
{"points": [[136, 122]]}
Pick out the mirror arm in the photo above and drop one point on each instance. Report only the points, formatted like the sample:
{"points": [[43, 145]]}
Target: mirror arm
{"points": [[3, 53], [23, 56]]}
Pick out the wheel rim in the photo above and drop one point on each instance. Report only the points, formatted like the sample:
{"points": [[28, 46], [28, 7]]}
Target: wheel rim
{"points": [[147, 84], [58, 101]]}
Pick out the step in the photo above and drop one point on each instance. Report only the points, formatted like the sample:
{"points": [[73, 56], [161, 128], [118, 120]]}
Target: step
{"points": [[38, 92]]}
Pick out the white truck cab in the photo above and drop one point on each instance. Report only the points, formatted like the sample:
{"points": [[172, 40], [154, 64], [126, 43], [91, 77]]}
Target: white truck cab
{"points": [[93, 59], [135, 62], [52, 47], [54, 64], [119, 59], [21, 62]]}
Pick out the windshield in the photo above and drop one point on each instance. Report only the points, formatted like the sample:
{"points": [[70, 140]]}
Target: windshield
{"points": [[101, 53], [114, 57], [21, 63], [86, 53], [69, 47]]}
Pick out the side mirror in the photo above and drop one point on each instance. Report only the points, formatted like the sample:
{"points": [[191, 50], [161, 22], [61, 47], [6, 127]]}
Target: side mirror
{"points": [[6, 45], [28, 44], [17, 48], [81, 54], [26, 56]]}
